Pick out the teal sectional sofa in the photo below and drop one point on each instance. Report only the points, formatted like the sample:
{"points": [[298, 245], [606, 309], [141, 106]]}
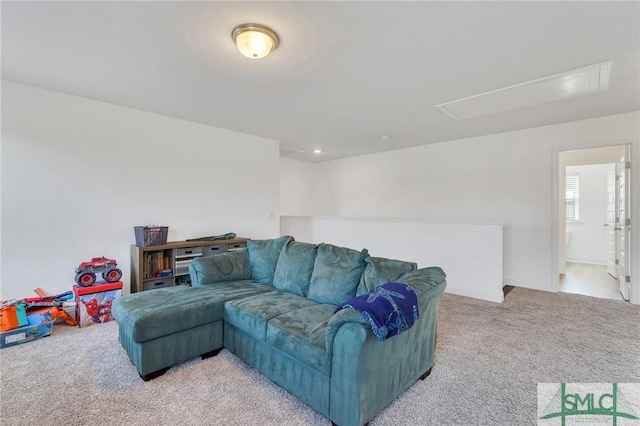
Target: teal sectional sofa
{"points": [[272, 305]]}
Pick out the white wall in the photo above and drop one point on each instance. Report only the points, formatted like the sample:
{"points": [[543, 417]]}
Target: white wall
{"points": [[509, 178], [78, 175], [588, 241], [470, 253], [296, 181]]}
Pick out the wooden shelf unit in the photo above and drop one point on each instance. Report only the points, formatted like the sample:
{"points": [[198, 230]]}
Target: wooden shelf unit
{"points": [[148, 262]]}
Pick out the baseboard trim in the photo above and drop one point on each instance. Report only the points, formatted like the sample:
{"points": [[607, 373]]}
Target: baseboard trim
{"points": [[460, 290], [531, 284], [588, 260]]}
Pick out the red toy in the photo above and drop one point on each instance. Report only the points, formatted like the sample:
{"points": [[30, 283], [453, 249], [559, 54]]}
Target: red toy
{"points": [[86, 272]]}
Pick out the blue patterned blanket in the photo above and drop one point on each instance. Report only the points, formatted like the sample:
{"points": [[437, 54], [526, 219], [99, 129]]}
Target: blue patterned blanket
{"points": [[390, 309]]}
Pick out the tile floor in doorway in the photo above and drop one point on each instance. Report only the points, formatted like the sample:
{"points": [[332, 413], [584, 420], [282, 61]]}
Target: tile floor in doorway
{"points": [[590, 280]]}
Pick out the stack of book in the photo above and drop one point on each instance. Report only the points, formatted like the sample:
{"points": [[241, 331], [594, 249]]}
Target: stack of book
{"points": [[156, 264]]}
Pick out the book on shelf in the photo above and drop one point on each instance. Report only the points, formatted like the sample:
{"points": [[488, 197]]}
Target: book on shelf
{"points": [[155, 264]]}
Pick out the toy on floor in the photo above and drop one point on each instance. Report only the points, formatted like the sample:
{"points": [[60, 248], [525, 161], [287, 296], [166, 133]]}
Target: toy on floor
{"points": [[86, 272], [54, 303], [12, 314]]}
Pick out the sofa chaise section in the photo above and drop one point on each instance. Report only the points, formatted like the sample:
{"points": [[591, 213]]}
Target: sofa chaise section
{"points": [[163, 327]]}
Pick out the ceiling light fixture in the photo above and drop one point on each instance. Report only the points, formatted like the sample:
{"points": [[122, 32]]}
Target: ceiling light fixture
{"points": [[254, 41], [317, 151]]}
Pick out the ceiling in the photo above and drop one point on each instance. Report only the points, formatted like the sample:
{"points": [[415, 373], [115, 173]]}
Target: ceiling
{"points": [[349, 78]]}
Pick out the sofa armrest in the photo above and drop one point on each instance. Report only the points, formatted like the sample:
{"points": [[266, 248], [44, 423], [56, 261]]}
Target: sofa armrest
{"points": [[368, 373], [230, 266], [341, 317], [425, 280], [427, 283]]}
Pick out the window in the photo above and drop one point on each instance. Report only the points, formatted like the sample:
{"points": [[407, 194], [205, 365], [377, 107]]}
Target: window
{"points": [[572, 200]]}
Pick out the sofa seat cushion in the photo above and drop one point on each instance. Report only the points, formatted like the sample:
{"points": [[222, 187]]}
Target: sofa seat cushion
{"points": [[301, 335], [156, 313], [251, 314]]}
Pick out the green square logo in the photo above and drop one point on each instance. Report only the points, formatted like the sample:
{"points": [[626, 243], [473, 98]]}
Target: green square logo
{"points": [[569, 404]]}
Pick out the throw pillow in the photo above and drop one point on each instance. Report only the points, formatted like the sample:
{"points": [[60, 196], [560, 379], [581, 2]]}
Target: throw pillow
{"points": [[294, 267], [263, 256], [336, 274]]}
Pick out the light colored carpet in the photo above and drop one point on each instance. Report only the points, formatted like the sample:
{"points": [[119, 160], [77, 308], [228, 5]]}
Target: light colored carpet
{"points": [[489, 360]]}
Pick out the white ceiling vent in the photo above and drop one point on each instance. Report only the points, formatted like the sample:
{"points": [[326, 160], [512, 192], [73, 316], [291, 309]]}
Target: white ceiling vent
{"points": [[582, 81]]}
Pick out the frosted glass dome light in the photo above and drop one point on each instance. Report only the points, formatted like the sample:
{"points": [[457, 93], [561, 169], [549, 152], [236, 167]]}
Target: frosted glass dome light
{"points": [[254, 41]]}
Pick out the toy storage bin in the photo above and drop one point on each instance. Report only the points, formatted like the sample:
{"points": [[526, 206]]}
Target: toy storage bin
{"points": [[151, 235], [93, 303]]}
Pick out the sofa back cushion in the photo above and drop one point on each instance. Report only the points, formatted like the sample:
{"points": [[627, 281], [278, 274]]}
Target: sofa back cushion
{"points": [[294, 267], [380, 271], [336, 274], [263, 256], [231, 266]]}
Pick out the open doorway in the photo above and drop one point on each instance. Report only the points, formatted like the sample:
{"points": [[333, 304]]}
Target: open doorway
{"points": [[593, 200]]}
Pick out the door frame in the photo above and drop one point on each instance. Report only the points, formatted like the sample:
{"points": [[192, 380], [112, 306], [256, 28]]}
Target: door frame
{"points": [[558, 225], [622, 237], [612, 192]]}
